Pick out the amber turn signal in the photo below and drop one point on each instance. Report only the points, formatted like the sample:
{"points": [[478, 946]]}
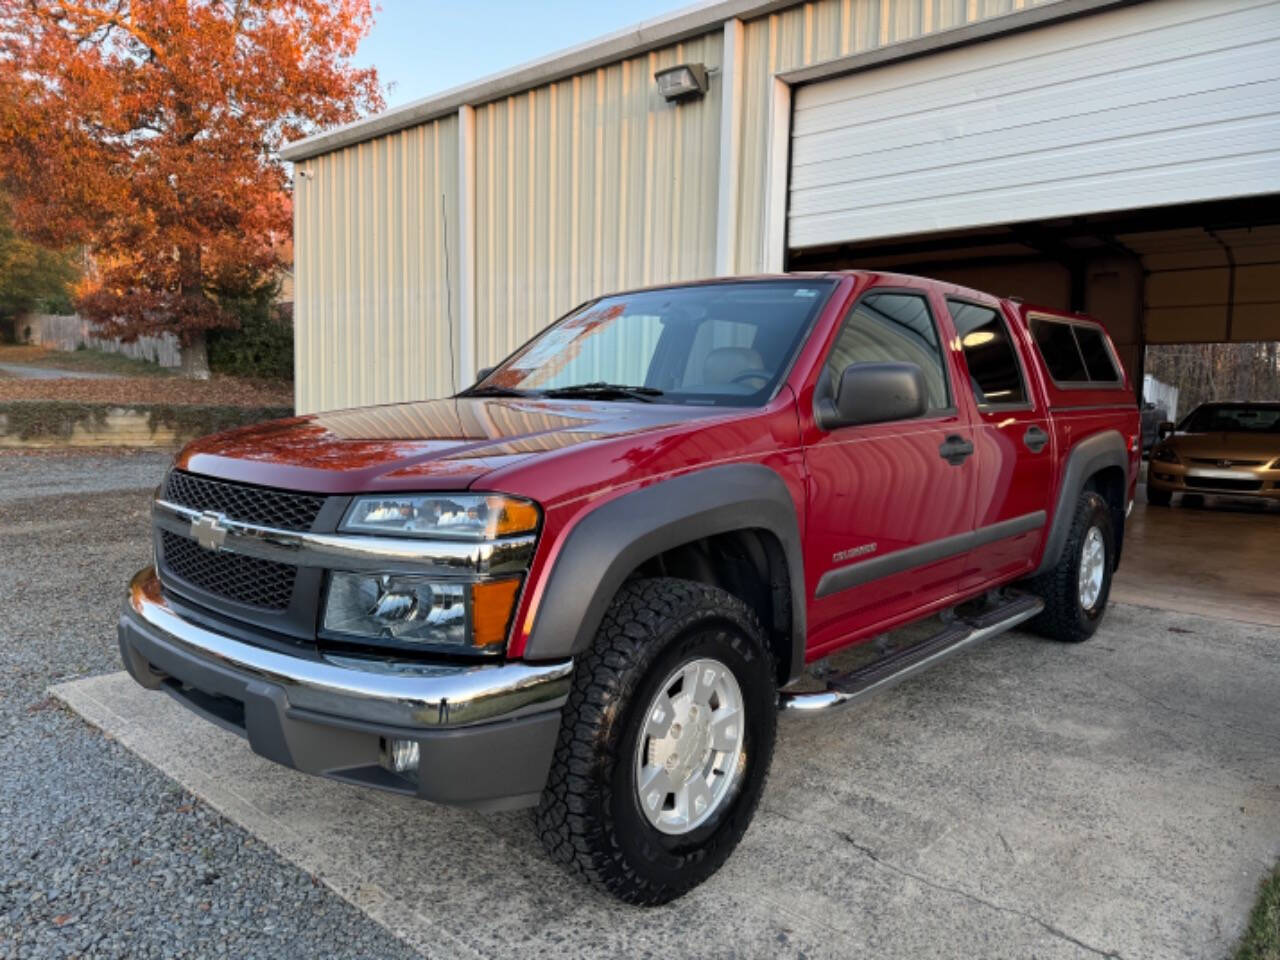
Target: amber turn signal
{"points": [[508, 516], [492, 603]]}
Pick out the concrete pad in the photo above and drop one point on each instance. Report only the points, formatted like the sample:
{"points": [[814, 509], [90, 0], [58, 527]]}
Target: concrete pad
{"points": [[1215, 561], [1027, 799]]}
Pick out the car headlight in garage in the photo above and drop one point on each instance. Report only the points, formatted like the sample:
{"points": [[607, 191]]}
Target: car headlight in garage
{"points": [[1164, 455], [1275, 464], [443, 516], [421, 613]]}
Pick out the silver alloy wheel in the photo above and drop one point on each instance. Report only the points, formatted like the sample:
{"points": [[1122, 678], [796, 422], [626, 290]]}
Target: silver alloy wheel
{"points": [[1093, 562], [688, 754]]}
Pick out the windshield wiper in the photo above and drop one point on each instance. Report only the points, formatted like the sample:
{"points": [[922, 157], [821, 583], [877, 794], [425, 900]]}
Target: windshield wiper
{"points": [[492, 391], [605, 391]]}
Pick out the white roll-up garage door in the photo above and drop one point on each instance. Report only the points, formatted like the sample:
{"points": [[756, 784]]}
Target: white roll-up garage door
{"points": [[1165, 102]]}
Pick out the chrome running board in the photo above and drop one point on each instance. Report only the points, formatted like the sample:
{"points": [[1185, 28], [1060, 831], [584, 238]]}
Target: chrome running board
{"points": [[874, 678]]}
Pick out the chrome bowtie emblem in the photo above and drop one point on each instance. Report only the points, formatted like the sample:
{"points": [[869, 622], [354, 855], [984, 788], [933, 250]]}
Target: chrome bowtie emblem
{"points": [[209, 530], [1224, 463]]}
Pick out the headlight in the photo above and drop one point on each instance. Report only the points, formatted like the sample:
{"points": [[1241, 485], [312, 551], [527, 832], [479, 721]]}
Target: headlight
{"points": [[444, 516], [418, 612], [1275, 464], [1164, 455]]}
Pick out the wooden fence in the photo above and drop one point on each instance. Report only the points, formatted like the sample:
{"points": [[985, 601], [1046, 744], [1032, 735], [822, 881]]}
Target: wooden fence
{"points": [[60, 332]]}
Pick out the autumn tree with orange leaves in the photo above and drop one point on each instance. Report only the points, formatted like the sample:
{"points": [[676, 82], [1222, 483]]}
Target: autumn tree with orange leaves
{"points": [[149, 130]]}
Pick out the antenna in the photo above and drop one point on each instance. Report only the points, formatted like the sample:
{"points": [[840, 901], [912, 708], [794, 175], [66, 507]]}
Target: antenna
{"points": [[448, 295]]}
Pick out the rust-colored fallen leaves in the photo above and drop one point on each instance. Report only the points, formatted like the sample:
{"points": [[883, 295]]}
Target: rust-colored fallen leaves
{"points": [[131, 391]]}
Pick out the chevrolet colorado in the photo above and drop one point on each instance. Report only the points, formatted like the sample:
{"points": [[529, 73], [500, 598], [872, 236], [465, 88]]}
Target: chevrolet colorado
{"points": [[588, 583]]}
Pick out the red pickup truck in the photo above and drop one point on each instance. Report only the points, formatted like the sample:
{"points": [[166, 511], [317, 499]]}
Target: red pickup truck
{"points": [[589, 582]]}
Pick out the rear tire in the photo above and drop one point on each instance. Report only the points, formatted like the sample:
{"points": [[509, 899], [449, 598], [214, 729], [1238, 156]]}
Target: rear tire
{"points": [[1159, 498], [592, 817], [1076, 590]]}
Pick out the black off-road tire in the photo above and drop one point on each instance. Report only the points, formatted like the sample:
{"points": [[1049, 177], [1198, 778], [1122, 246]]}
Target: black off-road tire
{"points": [[589, 818], [1159, 498], [1063, 617]]}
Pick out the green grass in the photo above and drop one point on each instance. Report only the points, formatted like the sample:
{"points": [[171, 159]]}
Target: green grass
{"points": [[1262, 936], [83, 361], [99, 361]]}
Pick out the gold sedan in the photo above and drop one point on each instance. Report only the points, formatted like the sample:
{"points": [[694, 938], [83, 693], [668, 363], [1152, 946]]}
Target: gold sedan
{"points": [[1224, 448]]}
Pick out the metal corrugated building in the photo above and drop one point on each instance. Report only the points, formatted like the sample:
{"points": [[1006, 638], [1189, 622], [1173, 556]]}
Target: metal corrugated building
{"points": [[1121, 157]]}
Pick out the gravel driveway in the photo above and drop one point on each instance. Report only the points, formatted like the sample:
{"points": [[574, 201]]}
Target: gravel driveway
{"points": [[103, 855]]}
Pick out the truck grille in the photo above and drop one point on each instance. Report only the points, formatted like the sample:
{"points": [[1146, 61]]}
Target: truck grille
{"points": [[256, 505], [247, 580]]}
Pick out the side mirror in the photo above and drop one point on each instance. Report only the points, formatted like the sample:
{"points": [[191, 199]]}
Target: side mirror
{"points": [[1164, 429], [873, 393], [483, 373]]}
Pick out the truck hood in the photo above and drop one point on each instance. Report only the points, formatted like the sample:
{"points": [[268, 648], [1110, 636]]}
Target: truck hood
{"points": [[1227, 446], [430, 445]]}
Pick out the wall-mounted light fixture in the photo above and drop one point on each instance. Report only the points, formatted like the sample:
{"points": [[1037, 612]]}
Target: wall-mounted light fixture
{"points": [[685, 82]]}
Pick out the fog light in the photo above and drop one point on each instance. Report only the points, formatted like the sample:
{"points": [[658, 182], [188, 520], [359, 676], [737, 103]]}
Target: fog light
{"points": [[401, 756]]}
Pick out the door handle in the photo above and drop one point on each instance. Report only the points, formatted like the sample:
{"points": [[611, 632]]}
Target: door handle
{"points": [[955, 449], [1035, 439]]}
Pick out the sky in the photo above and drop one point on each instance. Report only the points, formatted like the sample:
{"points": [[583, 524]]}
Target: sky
{"points": [[422, 47]]}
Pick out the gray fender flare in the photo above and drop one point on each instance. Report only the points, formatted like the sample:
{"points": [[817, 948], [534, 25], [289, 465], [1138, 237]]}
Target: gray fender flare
{"points": [[1094, 453], [606, 545]]}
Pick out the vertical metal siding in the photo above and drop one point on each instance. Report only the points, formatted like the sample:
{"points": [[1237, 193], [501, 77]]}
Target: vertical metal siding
{"points": [[811, 33], [583, 186], [589, 185], [372, 301]]}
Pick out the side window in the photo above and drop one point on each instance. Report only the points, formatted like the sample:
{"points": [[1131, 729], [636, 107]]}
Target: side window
{"points": [[1074, 352], [994, 371], [893, 328], [1058, 347], [1097, 358]]}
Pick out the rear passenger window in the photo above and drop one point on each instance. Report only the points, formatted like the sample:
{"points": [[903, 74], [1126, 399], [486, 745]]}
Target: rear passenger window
{"points": [[1061, 354], [994, 372], [893, 328], [1097, 358], [1074, 352]]}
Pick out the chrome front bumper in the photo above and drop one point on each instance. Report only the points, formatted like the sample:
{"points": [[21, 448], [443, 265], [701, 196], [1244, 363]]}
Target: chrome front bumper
{"points": [[1259, 481], [486, 732]]}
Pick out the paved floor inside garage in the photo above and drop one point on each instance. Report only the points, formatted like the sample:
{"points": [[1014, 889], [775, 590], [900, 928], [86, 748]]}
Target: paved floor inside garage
{"points": [[1219, 560], [1117, 798]]}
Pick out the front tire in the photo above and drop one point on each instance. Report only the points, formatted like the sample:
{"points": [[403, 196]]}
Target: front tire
{"points": [[1076, 590], [665, 742], [1159, 498]]}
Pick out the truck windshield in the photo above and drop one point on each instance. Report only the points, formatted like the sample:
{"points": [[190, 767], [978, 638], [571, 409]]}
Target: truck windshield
{"points": [[725, 344], [1233, 418]]}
